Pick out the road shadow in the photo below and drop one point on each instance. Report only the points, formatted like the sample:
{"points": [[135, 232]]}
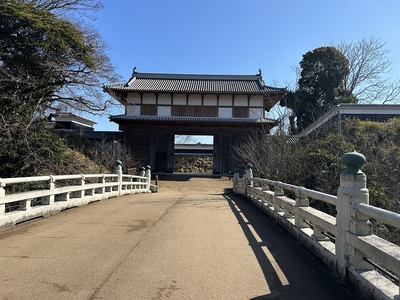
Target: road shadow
{"points": [[290, 270]]}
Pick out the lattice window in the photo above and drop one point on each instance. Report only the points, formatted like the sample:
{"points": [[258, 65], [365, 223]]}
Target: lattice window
{"points": [[240, 112], [148, 110], [209, 111], [194, 111], [178, 110]]}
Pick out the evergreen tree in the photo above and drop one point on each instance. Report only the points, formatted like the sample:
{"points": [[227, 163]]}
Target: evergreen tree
{"points": [[320, 86]]}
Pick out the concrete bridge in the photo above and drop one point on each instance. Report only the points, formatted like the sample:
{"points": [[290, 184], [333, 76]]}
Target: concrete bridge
{"points": [[195, 239], [189, 241]]}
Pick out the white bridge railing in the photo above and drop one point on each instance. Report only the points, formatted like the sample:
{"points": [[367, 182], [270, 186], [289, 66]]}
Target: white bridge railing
{"points": [[345, 243], [46, 195]]}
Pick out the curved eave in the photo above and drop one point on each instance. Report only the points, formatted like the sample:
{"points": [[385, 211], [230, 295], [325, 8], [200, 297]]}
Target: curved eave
{"points": [[273, 98], [126, 119], [120, 95]]}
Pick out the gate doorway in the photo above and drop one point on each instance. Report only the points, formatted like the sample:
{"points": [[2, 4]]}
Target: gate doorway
{"points": [[193, 154]]}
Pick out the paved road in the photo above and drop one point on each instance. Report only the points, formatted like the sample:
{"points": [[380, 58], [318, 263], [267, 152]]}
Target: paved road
{"points": [[189, 241]]}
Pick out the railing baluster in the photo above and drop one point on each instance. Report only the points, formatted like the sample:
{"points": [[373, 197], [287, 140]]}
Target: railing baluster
{"points": [[70, 194], [345, 242], [25, 204], [318, 234]]}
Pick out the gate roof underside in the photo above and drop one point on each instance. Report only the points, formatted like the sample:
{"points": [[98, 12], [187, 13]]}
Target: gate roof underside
{"points": [[123, 119]]}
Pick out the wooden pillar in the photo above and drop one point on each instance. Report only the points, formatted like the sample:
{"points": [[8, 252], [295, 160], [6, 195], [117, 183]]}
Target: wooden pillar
{"points": [[153, 146], [216, 155], [170, 153]]}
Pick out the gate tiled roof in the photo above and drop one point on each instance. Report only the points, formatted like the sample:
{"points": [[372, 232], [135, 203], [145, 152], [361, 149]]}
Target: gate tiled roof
{"points": [[192, 83]]}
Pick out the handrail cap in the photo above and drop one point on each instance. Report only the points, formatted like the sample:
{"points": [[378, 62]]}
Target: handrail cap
{"points": [[353, 161]]}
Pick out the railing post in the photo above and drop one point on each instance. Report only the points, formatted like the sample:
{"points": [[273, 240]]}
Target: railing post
{"points": [[118, 171], [264, 189], [351, 192], [247, 180], [301, 201], [102, 180], [147, 173], [141, 171], [278, 191], [249, 175], [81, 182], [49, 200], [2, 195]]}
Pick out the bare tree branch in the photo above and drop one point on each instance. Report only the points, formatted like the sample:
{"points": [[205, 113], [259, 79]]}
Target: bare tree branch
{"points": [[369, 65]]}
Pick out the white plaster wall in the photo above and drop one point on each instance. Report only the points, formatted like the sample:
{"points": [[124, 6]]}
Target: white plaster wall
{"points": [[240, 100], [256, 101], [149, 98], [133, 98], [179, 99], [194, 99], [210, 100], [225, 100], [164, 111], [133, 110], [256, 113], [164, 99], [225, 112]]}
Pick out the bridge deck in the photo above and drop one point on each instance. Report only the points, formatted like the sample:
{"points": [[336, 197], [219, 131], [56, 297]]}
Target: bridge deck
{"points": [[189, 241]]}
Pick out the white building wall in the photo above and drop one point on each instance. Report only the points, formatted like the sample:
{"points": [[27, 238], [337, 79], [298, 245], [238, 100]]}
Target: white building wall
{"points": [[179, 99], [240, 100], [133, 110], [256, 113], [225, 100], [194, 99], [164, 99], [225, 112], [133, 98], [164, 111], [149, 98], [210, 100], [256, 101]]}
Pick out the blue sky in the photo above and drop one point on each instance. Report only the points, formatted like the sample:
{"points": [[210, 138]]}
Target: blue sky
{"points": [[237, 36]]}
